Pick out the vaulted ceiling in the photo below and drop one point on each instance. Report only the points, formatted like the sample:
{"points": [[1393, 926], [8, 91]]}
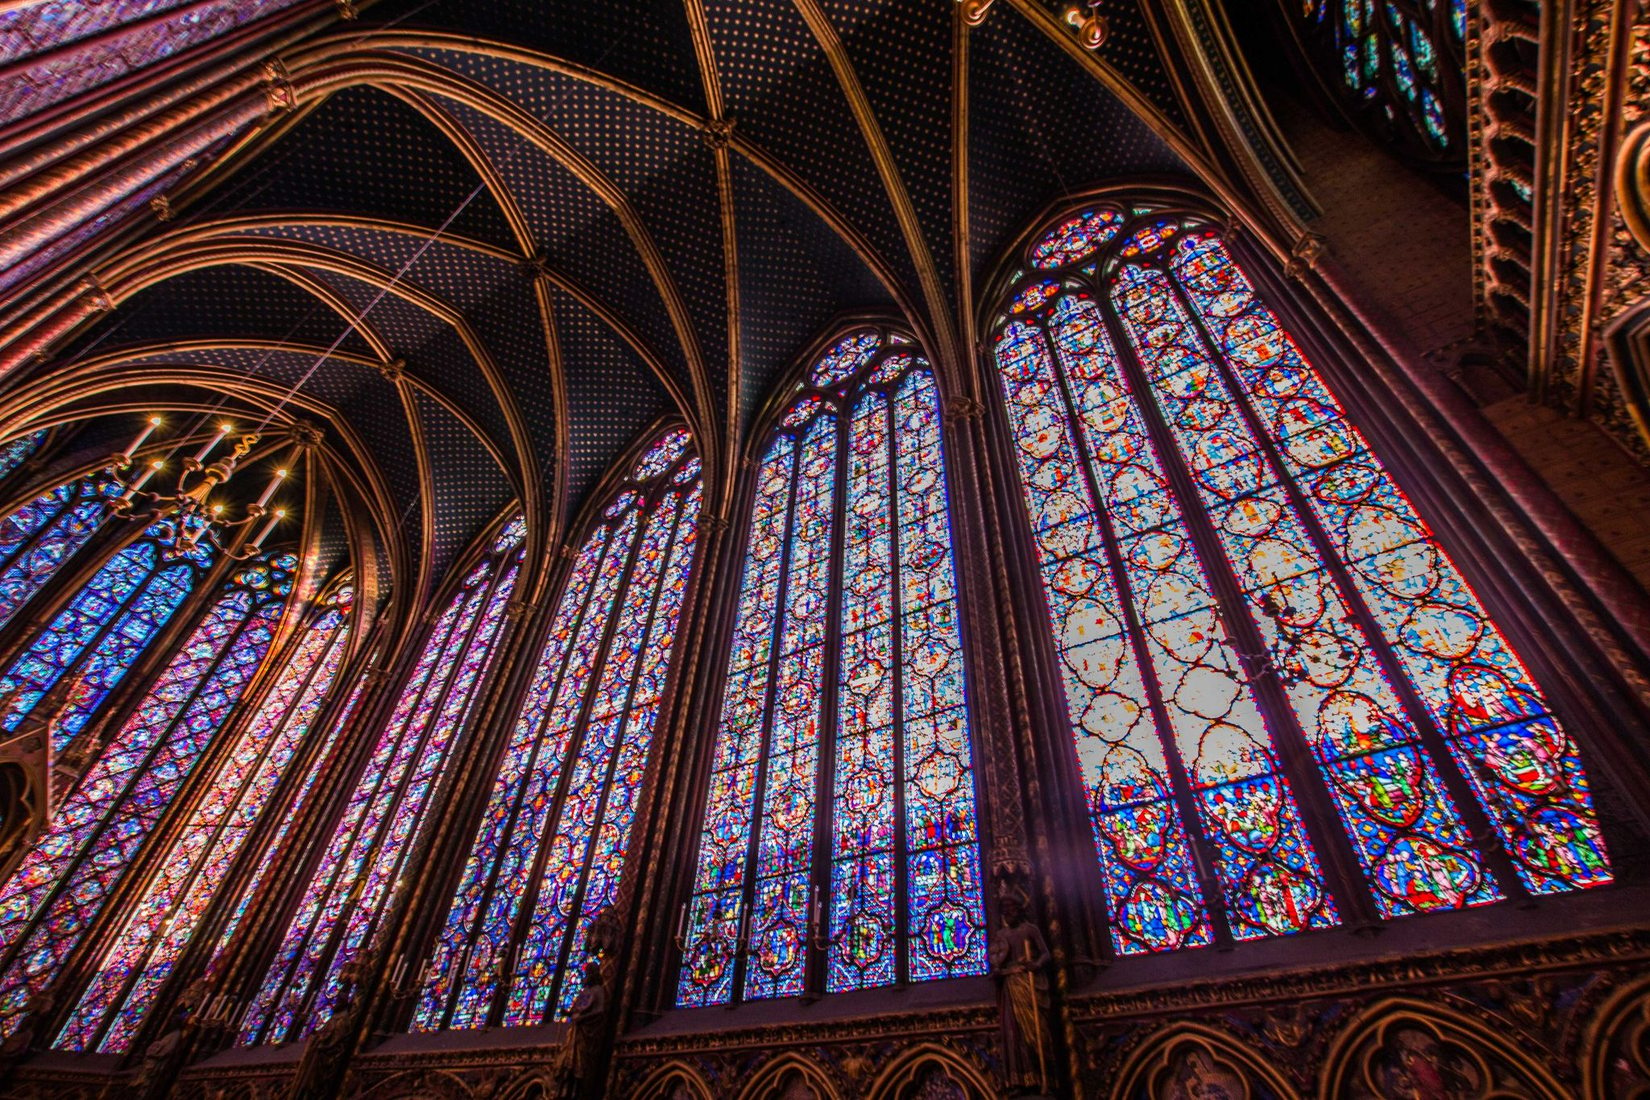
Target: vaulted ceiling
{"points": [[497, 239]]}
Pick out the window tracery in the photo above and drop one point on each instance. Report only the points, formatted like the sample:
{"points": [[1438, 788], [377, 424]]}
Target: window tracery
{"points": [[841, 827], [65, 878], [165, 917], [550, 850], [92, 643], [1249, 613], [19, 451], [357, 876], [1399, 63], [39, 536]]}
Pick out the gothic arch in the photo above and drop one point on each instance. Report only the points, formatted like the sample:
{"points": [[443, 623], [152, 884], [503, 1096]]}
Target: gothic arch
{"points": [[419, 1084], [675, 1081], [790, 1076], [1182, 1053], [1615, 1061], [908, 1070], [1398, 1036]]}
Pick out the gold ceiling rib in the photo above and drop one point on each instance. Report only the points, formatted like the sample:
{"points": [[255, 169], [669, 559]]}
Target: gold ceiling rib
{"points": [[940, 321], [374, 67]]}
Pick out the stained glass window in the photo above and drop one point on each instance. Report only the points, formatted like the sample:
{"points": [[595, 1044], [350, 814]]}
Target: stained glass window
{"points": [[840, 844], [18, 451], [136, 959], [41, 535], [65, 878], [1399, 64], [99, 633], [1250, 616], [360, 870], [550, 850]]}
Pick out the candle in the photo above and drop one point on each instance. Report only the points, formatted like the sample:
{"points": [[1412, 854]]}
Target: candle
{"points": [[223, 430], [400, 971], [681, 922], [274, 517], [149, 472], [154, 422], [269, 490]]}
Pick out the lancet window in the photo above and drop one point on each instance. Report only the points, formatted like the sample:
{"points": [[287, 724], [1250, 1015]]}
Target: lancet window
{"points": [[164, 918], [39, 536], [364, 859], [93, 641], [1400, 63], [64, 880], [19, 451], [550, 851], [1270, 661], [840, 843]]}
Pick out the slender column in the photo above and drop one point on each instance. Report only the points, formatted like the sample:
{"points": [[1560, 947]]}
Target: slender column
{"points": [[34, 333], [69, 212]]}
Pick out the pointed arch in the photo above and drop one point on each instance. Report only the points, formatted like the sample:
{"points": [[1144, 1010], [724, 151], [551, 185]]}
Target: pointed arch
{"points": [[357, 878], [549, 854], [906, 1071], [671, 1080], [1185, 1052], [1453, 1044], [1250, 617], [1616, 1047], [785, 1077], [841, 832]]}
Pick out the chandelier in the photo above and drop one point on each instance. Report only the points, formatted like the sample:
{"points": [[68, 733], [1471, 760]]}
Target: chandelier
{"points": [[186, 519]]}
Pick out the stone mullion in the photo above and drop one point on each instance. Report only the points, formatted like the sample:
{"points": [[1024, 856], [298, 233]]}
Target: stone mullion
{"points": [[202, 946], [770, 693], [663, 852], [1428, 734], [1320, 819], [152, 855], [564, 959], [312, 837], [1204, 847], [199, 783], [66, 581], [977, 453], [521, 922], [1535, 571], [417, 920], [75, 970], [581, 727], [389, 909]]}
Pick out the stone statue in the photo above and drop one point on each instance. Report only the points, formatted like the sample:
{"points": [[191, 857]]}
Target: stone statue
{"points": [[578, 1064], [1018, 957], [326, 1058], [20, 1043]]}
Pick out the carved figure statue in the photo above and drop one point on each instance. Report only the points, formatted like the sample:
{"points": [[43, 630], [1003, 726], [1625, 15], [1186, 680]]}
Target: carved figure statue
{"points": [[1018, 957], [326, 1058], [20, 1043], [578, 1063]]}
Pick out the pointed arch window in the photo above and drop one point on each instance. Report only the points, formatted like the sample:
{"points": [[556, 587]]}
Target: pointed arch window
{"points": [[65, 878], [355, 881], [39, 536], [840, 845], [163, 919], [19, 451], [1400, 64], [92, 643], [550, 850], [1250, 615]]}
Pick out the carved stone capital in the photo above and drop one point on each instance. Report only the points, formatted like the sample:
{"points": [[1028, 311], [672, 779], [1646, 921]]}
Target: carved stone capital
{"points": [[959, 409], [1304, 256], [516, 609], [279, 94], [93, 296], [346, 9], [161, 207]]}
